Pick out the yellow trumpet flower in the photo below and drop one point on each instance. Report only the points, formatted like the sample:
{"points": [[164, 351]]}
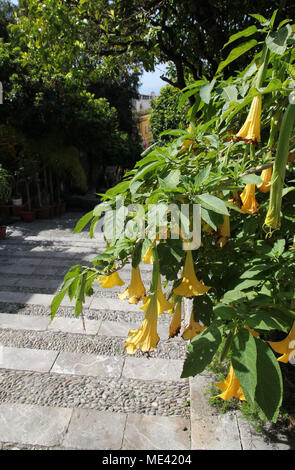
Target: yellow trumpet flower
{"points": [[286, 347], [162, 302], [111, 281], [136, 289], [175, 324], [148, 258], [266, 178], [146, 336], [250, 205], [190, 286], [231, 387], [250, 131], [192, 329], [223, 232], [293, 244]]}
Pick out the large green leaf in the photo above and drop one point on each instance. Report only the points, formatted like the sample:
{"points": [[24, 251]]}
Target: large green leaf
{"points": [[201, 351], [83, 222], [244, 355], [205, 91], [237, 52], [245, 33], [213, 203], [269, 388], [276, 41]]}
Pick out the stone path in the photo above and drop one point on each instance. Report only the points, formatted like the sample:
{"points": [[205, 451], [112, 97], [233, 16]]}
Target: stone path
{"points": [[65, 388]]}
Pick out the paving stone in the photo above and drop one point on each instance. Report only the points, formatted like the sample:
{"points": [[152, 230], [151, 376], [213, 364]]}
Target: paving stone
{"points": [[210, 430], [267, 439], [88, 364], [26, 298], [152, 369], [17, 269], [27, 359], [23, 322], [95, 430], [74, 325], [145, 432], [33, 424]]}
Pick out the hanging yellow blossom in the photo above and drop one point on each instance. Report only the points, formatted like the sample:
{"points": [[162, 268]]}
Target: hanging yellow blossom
{"points": [[148, 258], [286, 347], [175, 324], [223, 232], [146, 336], [266, 178], [293, 244], [231, 387], [190, 286], [136, 289], [266, 175], [192, 329], [250, 131], [162, 302], [250, 205], [111, 281]]}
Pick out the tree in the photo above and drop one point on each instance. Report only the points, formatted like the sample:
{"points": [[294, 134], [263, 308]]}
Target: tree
{"points": [[165, 113]]}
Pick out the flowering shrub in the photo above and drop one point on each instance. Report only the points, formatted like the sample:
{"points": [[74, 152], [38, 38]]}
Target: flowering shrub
{"points": [[235, 163]]}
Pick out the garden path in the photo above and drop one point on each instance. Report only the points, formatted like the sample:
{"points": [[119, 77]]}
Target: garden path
{"points": [[65, 388]]}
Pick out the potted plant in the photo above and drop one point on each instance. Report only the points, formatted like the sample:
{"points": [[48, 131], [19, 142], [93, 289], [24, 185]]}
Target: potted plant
{"points": [[42, 212], [5, 190]]}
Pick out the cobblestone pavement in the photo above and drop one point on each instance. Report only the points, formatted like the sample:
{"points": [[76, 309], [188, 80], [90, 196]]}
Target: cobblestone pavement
{"points": [[65, 388]]}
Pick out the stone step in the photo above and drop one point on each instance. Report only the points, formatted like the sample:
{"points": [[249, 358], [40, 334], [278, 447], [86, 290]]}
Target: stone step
{"points": [[35, 426]]}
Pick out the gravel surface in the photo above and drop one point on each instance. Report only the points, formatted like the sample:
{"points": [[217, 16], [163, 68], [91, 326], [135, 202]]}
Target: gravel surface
{"points": [[101, 345], [115, 395]]}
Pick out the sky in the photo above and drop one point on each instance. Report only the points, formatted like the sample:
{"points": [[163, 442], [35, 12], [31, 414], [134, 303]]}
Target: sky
{"points": [[151, 81]]}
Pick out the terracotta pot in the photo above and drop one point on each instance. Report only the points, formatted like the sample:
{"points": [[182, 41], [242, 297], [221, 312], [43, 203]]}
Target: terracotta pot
{"points": [[2, 232], [16, 210], [5, 209], [43, 213], [52, 211], [28, 216]]}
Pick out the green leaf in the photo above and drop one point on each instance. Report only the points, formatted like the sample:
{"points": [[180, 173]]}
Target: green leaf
{"points": [[254, 271], [276, 41], [263, 21], [147, 169], [202, 176], [205, 91], [247, 284], [225, 312], [83, 221], [269, 389], [230, 93], [245, 33], [203, 309], [212, 203], [172, 180], [201, 351], [263, 321], [278, 248], [233, 295], [211, 218], [251, 179], [237, 52], [290, 69], [244, 355]]}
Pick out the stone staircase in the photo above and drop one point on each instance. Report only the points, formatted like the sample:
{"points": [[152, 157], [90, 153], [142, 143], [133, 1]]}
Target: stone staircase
{"points": [[65, 388]]}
